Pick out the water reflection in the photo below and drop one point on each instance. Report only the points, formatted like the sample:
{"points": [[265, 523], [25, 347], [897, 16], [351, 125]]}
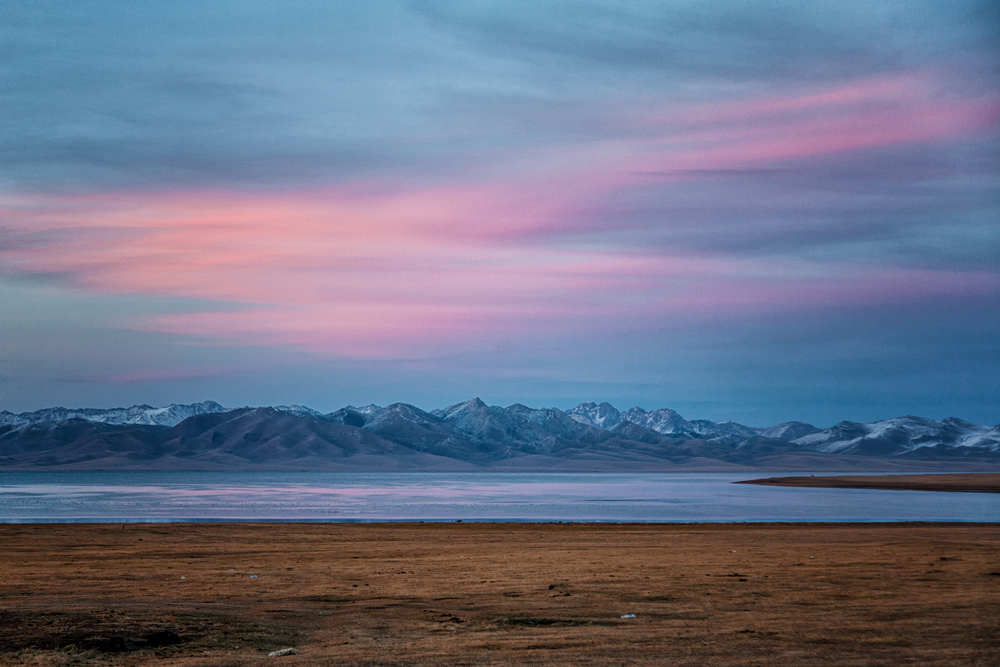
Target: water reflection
{"points": [[468, 496]]}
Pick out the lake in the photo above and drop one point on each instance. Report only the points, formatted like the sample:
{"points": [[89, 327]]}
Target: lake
{"points": [[344, 497]]}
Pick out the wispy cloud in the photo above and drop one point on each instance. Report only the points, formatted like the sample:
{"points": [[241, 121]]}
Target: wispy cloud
{"points": [[151, 376], [374, 269], [416, 180]]}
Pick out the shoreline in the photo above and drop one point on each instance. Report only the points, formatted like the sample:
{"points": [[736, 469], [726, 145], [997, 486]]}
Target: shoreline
{"points": [[943, 482]]}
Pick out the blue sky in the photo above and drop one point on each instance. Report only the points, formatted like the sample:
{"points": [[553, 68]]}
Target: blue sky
{"points": [[749, 211]]}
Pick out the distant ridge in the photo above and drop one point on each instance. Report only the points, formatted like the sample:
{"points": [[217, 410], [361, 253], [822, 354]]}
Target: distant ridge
{"points": [[469, 436]]}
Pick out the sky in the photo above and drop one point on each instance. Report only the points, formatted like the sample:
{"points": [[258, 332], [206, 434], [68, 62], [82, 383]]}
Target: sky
{"points": [[748, 211]]}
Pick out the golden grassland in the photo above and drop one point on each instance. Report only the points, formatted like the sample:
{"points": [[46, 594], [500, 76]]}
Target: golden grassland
{"points": [[500, 594]]}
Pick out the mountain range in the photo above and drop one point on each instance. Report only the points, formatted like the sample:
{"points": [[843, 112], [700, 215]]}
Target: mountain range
{"points": [[473, 436]]}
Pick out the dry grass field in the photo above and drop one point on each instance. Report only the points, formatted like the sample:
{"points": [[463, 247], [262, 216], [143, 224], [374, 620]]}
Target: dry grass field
{"points": [[500, 594]]}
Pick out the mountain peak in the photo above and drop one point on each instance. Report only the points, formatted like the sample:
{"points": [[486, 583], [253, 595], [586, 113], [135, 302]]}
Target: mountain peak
{"points": [[471, 432], [473, 405], [604, 416]]}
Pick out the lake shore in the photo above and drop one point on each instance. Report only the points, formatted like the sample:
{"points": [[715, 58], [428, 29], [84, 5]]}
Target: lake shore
{"points": [[966, 482], [501, 594]]}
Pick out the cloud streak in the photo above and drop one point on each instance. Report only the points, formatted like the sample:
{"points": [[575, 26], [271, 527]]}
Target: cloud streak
{"points": [[382, 269], [406, 183]]}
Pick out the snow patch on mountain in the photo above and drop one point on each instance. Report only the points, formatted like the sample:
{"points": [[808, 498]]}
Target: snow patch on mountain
{"points": [[299, 411], [789, 431], [366, 410], [901, 435], [170, 415], [664, 420], [518, 428], [476, 419], [397, 413], [604, 416]]}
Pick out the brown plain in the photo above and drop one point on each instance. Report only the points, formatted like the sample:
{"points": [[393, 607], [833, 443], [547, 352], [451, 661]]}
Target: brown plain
{"points": [[500, 594], [968, 482]]}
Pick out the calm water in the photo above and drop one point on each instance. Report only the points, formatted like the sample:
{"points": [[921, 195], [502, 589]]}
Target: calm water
{"points": [[138, 496]]}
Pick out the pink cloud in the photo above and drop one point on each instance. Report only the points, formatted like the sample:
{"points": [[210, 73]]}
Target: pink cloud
{"points": [[883, 111], [373, 270]]}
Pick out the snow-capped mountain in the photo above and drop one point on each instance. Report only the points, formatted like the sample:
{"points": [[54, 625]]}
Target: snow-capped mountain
{"points": [[298, 411], [517, 427], [369, 409], [664, 421], [170, 415], [604, 415], [902, 435], [471, 433], [482, 422], [891, 437], [789, 430]]}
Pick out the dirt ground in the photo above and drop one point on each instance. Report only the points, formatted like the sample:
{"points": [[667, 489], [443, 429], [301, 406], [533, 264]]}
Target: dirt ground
{"points": [[968, 482], [500, 594]]}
